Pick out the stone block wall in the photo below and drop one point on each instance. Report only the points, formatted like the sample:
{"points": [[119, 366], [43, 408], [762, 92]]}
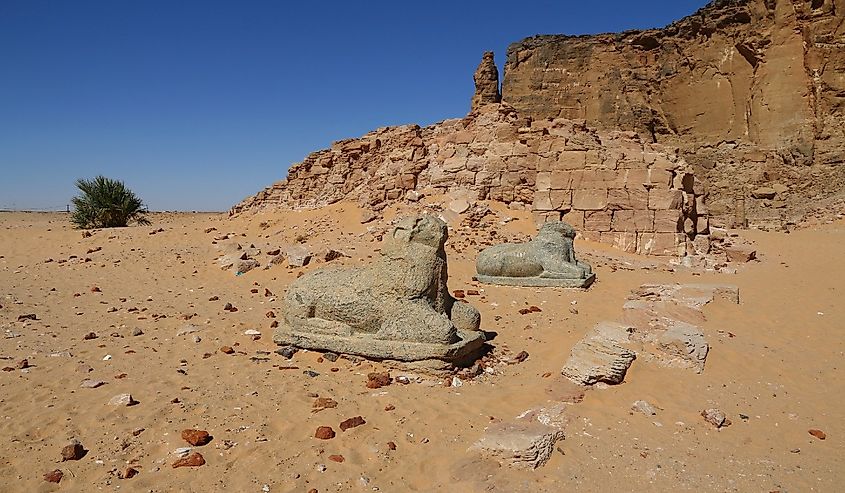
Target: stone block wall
{"points": [[611, 186]]}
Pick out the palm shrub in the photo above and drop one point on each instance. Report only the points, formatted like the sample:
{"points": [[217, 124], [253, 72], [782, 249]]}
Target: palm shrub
{"points": [[106, 203]]}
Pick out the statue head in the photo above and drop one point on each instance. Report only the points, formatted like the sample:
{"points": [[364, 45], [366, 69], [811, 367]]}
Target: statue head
{"points": [[423, 229], [557, 229]]}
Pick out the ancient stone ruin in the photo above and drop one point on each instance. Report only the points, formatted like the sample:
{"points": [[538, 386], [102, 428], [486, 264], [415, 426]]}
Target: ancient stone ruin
{"points": [[398, 308], [610, 186], [547, 260], [641, 140]]}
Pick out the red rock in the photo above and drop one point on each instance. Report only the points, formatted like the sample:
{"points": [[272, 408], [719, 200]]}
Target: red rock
{"points": [[459, 294], [389, 407], [472, 292], [313, 490], [274, 324], [534, 309], [73, 451], [324, 433], [227, 350], [95, 289], [522, 356], [524, 311], [194, 460], [378, 380], [128, 473], [352, 423], [336, 458], [270, 314], [267, 293], [391, 445], [54, 476], [197, 438], [24, 363], [818, 434]]}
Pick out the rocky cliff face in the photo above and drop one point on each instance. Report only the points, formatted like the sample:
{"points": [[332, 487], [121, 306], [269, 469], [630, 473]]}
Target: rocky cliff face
{"points": [[746, 88]]}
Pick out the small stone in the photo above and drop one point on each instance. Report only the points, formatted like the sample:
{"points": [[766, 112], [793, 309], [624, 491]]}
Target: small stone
{"points": [[324, 433], [389, 407], [92, 384], [330, 356], [818, 434], [286, 351], [644, 407], [73, 451], [520, 357], [336, 458], [194, 460], [95, 289], [182, 451], [197, 438], [227, 350], [324, 403], [89, 336], [28, 316], [391, 445], [128, 473], [311, 373], [23, 364], [378, 380], [352, 423], [459, 294], [137, 332], [716, 418], [54, 476], [252, 332], [122, 400]]}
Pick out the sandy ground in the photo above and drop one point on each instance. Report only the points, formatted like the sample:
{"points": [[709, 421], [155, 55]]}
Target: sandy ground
{"points": [[783, 370]]}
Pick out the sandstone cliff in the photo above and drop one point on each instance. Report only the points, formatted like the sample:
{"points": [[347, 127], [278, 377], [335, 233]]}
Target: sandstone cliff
{"points": [[747, 88]]}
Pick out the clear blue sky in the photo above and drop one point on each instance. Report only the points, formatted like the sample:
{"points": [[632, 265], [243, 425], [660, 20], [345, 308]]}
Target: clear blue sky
{"points": [[196, 104]]}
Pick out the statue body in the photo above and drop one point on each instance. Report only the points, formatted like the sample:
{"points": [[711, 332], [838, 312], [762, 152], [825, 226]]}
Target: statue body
{"points": [[547, 260]]}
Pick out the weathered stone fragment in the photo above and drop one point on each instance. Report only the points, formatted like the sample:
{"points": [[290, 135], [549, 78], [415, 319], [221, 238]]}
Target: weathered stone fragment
{"points": [[600, 356]]}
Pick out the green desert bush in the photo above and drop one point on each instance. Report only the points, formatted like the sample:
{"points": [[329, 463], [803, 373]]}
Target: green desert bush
{"points": [[106, 203]]}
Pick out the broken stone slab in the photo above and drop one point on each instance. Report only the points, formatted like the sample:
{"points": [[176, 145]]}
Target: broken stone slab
{"points": [[525, 442], [397, 308], [548, 260], [644, 407], [683, 345], [600, 356]]}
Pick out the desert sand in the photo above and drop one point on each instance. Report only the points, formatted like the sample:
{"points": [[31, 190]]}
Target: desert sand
{"points": [[774, 369]]}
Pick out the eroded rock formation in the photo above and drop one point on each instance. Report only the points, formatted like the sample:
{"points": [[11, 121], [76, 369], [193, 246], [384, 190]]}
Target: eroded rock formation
{"points": [[486, 79]]}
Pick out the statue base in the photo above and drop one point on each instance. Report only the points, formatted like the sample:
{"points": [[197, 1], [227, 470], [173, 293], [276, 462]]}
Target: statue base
{"points": [[461, 353], [538, 282]]}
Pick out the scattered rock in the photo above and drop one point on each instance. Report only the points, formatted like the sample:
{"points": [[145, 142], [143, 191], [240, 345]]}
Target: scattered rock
{"points": [[298, 256], [23, 364], [324, 403], [122, 400], [286, 351], [73, 451], [54, 476], [521, 443], [716, 418], [194, 460], [227, 350], [89, 336], [818, 434], [92, 384], [740, 253], [128, 473], [324, 433], [391, 445], [378, 380], [764, 193], [644, 407], [352, 423], [137, 332], [28, 316], [336, 458], [196, 438]]}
